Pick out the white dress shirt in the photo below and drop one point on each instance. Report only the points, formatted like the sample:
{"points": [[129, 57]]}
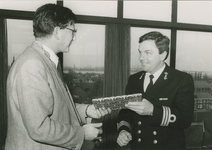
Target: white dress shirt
{"points": [[54, 58], [156, 76]]}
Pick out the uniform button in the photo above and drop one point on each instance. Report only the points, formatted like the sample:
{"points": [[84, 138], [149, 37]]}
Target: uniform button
{"points": [[155, 141], [139, 132], [139, 140], [139, 122], [154, 133]]}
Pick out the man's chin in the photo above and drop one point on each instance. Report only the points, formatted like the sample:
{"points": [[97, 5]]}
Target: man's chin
{"points": [[144, 67]]}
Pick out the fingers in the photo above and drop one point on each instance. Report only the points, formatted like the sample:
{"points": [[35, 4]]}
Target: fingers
{"points": [[134, 108], [137, 103], [92, 130], [99, 139], [124, 138], [97, 125], [97, 113], [142, 108], [133, 103], [103, 111], [100, 131]]}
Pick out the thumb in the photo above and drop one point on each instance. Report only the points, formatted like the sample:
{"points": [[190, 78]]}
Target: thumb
{"points": [[129, 136], [97, 125]]}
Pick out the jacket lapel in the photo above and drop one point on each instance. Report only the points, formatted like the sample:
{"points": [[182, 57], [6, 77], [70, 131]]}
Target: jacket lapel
{"points": [[141, 81], [161, 83], [62, 86]]}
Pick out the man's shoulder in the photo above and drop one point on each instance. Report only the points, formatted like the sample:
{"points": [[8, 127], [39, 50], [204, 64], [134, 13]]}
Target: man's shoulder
{"points": [[28, 58], [138, 74], [30, 53], [178, 73]]}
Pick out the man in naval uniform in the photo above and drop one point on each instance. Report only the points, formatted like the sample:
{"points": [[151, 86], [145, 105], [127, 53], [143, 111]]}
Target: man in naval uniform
{"points": [[159, 120]]}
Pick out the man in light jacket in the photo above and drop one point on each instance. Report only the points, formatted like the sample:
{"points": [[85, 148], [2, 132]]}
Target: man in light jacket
{"points": [[41, 111]]}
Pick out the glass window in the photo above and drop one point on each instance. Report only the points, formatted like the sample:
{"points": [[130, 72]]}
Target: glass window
{"points": [[135, 35], [24, 5], [93, 8], [197, 12], [148, 10], [194, 51], [15, 30], [84, 64], [193, 55]]}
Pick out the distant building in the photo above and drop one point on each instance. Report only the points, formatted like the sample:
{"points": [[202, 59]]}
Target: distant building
{"points": [[203, 98], [202, 86]]}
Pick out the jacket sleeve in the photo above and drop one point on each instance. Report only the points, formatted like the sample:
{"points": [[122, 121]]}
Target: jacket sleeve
{"points": [[81, 108], [36, 105], [180, 113]]}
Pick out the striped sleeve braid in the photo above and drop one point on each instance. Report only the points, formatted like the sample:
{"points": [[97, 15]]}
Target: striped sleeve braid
{"points": [[167, 116], [123, 125]]}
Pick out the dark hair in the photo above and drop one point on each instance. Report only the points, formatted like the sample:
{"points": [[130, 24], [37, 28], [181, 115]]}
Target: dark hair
{"points": [[161, 41], [49, 16]]}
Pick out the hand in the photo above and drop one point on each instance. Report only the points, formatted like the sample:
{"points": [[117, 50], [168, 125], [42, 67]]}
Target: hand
{"points": [[97, 113], [92, 130], [124, 138], [142, 108]]}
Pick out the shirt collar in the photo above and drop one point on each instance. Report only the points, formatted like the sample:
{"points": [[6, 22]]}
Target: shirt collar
{"points": [[53, 57], [157, 73]]}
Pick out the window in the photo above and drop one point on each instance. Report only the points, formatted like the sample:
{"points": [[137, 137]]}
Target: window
{"points": [[16, 45], [193, 55], [135, 34], [197, 12], [93, 8], [31, 5], [84, 64], [194, 51], [148, 10]]}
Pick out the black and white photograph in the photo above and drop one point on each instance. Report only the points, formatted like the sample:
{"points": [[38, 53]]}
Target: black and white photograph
{"points": [[105, 74]]}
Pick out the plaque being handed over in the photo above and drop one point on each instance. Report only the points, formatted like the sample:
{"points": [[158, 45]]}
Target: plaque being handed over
{"points": [[116, 102]]}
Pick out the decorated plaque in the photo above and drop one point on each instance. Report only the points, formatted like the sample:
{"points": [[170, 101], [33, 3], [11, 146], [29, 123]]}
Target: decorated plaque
{"points": [[116, 102]]}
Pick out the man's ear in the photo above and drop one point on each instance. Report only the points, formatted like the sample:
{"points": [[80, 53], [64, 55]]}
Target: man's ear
{"points": [[163, 55], [56, 33]]}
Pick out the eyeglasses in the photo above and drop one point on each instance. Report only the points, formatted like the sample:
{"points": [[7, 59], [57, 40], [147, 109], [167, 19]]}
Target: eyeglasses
{"points": [[74, 31]]}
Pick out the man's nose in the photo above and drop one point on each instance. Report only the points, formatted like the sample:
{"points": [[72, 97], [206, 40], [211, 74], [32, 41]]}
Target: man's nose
{"points": [[141, 56]]}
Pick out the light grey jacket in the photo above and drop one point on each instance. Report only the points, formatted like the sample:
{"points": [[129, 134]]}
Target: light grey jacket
{"points": [[41, 115]]}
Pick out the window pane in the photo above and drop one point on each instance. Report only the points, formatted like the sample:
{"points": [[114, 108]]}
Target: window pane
{"points": [[16, 45], [194, 51], [148, 10], [93, 8], [84, 64], [197, 12], [135, 35], [24, 5]]}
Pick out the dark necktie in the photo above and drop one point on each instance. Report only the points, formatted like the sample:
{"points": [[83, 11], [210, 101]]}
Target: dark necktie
{"points": [[150, 83], [59, 68], [60, 71]]}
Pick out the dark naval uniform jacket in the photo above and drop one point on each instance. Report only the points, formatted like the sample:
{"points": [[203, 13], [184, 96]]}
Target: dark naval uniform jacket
{"points": [[173, 98]]}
